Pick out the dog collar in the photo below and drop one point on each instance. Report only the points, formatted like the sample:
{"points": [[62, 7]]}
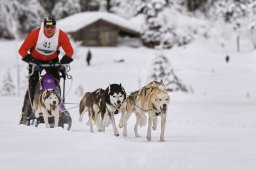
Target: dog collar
{"points": [[157, 113], [49, 112]]}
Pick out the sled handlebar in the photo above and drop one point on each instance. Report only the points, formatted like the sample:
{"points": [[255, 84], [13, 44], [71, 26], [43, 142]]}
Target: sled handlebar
{"points": [[64, 67]]}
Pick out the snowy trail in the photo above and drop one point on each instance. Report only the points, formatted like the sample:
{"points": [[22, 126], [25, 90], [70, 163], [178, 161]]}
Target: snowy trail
{"points": [[214, 128]]}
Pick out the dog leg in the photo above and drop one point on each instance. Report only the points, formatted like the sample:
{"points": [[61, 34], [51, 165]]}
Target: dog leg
{"points": [[82, 108], [143, 120], [127, 116], [150, 120], [91, 123], [114, 124], [124, 112], [138, 121], [121, 121], [98, 122], [82, 114], [56, 119], [81, 117], [154, 123], [163, 123], [103, 122], [46, 121]]}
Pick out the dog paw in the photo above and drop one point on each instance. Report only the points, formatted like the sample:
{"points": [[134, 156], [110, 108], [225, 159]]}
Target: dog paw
{"points": [[120, 125], [162, 140], [137, 136], [149, 138], [117, 134]]}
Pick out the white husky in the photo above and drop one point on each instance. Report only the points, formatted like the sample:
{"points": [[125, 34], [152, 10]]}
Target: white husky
{"points": [[46, 104]]}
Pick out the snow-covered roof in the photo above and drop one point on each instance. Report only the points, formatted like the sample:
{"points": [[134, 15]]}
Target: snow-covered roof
{"points": [[75, 22]]}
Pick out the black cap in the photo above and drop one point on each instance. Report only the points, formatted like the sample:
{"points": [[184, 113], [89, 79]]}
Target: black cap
{"points": [[49, 21]]}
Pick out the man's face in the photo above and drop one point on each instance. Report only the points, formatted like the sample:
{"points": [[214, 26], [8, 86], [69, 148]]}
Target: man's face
{"points": [[49, 30]]}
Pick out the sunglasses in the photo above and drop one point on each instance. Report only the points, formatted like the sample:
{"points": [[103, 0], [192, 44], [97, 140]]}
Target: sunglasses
{"points": [[50, 26]]}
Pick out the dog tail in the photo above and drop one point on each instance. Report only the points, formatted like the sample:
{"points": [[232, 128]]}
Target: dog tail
{"points": [[82, 108]]}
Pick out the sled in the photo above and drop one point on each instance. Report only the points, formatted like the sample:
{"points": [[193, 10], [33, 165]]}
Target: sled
{"points": [[29, 117]]}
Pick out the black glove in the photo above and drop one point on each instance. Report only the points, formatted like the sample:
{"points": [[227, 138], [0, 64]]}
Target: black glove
{"points": [[28, 58], [66, 60]]}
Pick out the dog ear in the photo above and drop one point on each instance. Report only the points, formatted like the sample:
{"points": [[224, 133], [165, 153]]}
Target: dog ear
{"points": [[109, 89], [161, 81], [123, 90]]}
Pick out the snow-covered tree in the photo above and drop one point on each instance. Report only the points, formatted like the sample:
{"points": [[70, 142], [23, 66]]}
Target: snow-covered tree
{"points": [[236, 16], [152, 36], [19, 16], [7, 19], [162, 70], [8, 88], [48, 5], [30, 14], [89, 5], [66, 8], [127, 8]]}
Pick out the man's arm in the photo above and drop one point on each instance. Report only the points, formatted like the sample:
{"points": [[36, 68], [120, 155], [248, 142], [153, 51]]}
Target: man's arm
{"points": [[28, 43], [65, 44]]}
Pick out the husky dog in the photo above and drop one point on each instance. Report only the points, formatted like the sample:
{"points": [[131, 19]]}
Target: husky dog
{"points": [[110, 103], [46, 104], [90, 103], [102, 105], [130, 106], [134, 103]]}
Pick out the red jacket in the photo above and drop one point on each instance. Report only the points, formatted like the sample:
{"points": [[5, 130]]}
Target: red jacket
{"points": [[30, 44]]}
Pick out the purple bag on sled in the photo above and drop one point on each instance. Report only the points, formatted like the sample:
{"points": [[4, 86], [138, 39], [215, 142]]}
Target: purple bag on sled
{"points": [[49, 83]]}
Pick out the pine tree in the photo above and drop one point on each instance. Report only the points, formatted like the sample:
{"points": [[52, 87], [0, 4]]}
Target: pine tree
{"points": [[7, 19], [152, 36], [8, 88], [162, 70], [127, 8], [66, 8], [30, 14], [19, 16]]}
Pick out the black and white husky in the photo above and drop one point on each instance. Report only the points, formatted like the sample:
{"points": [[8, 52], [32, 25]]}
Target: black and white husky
{"points": [[102, 105], [110, 104]]}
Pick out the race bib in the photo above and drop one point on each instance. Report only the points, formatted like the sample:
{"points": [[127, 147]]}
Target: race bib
{"points": [[47, 46]]}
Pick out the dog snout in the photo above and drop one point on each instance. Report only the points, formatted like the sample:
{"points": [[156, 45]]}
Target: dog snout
{"points": [[164, 106], [54, 102], [118, 102]]}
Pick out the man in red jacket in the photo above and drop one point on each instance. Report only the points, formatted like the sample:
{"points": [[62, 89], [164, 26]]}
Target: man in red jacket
{"points": [[41, 46]]}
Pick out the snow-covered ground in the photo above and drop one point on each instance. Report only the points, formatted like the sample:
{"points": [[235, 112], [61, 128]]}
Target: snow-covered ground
{"points": [[213, 128]]}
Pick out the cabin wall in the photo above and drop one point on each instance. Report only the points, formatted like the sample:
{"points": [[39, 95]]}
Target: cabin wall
{"points": [[97, 34]]}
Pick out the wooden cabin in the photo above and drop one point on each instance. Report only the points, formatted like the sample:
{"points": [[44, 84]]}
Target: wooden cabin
{"points": [[98, 29]]}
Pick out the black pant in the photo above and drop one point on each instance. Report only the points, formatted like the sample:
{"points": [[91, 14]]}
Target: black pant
{"points": [[33, 81]]}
